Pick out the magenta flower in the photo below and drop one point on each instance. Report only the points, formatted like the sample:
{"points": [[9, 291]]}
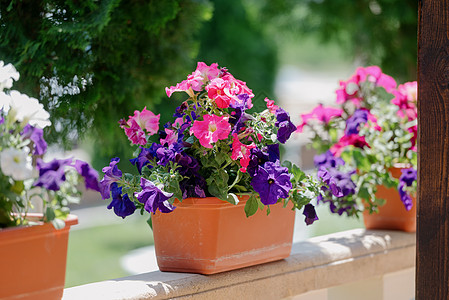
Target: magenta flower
{"points": [[202, 74], [170, 138], [242, 152], [239, 87], [271, 106], [183, 86], [405, 98], [219, 91], [347, 140], [320, 113], [135, 133], [212, 129], [147, 120]]}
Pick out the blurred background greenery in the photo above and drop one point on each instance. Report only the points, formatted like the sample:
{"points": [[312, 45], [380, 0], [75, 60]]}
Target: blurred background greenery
{"points": [[94, 62]]}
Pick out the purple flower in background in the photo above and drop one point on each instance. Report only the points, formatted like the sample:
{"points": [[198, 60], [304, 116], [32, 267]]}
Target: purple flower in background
{"points": [[310, 213], [153, 198], [330, 181], [327, 160], [352, 124], [36, 135], [407, 178], [284, 125], [122, 205], [52, 174], [111, 174], [272, 182], [90, 175], [405, 197]]}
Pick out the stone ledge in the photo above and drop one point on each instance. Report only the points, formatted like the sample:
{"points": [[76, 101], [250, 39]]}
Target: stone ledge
{"points": [[314, 264]]}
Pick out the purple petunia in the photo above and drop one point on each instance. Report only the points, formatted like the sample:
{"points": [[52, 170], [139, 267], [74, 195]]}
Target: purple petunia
{"points": [[111, 174], [36, 135], [284, 125], [153, 198], [352, 124], [331, 182], [272, 182], [90, 175], [407, 178], [327, 160], [310, 213], [52, 174], [122, 205], [259, 157]]}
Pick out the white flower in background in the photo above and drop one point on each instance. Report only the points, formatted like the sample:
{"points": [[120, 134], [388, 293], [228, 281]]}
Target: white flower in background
{"points": [[7, 74], [28, 110], [16, 163]]}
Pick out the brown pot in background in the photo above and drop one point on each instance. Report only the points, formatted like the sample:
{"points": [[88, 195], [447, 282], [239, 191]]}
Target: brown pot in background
{"points": [[207, 236], [393, 214], [33, 260]]}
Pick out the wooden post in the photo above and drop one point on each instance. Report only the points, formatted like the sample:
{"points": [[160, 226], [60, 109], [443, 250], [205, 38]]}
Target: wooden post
{"points": [[432, 260]]}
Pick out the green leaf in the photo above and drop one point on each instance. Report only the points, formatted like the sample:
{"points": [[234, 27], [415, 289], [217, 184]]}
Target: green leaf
{"points": [[150, 222], [218, 184], [362, 161], [232, 198], [251, 205], [50, 214]]}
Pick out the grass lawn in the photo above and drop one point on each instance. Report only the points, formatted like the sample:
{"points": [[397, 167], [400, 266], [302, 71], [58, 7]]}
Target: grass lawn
{"points": [[94, 253]]}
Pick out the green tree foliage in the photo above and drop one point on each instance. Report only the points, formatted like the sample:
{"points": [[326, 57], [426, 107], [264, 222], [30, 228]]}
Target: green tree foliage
{"points": [[381, 32], [129, 50], [235, 39]]}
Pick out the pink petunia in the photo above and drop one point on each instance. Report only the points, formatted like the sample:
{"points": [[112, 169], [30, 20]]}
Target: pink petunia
{"points": [[171, 138], [135, 133], [239, 87], [348, 140], [374, 74], [212, 129], [241, 151], [405, 98], [413, 130], [183, 86], [219, 91], [320, 113], [271, 106], [146, 119]]}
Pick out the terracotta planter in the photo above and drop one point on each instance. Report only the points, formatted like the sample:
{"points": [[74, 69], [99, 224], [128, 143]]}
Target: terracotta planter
{"points": [[207, 236], [392, 215], [33, 261]]}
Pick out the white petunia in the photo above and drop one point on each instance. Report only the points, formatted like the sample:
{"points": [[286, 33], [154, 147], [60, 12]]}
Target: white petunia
{"points": [[28, 110], [7, 74], [16, 163]]}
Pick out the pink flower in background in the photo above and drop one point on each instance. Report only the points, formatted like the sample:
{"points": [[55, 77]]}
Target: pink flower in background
{"points": [[349, 89], [212, 129], [135, 133], [405, 98], [241, 151], [219, 90], [347, 140], [320, 113], [271, 106], [414, 131], [206, 72], [147, 120]]}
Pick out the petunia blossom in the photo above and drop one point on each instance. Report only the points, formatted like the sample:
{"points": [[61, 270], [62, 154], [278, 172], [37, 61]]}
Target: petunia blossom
{"points": [[89, 174], [406, 98], [242, 152], [271, 106], [347, 140], [52, 174], [153, 198], [321, 114], [147, 120], [310, 213], [16, 163], [272, 182], [285, 126], [36, 135], [212, 129], [123, 206], [219, 90], [111, 174]]}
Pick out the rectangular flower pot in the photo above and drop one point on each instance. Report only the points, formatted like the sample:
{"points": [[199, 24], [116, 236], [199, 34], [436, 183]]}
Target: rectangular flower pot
{"points": [[207, 236], [33, 261]]}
